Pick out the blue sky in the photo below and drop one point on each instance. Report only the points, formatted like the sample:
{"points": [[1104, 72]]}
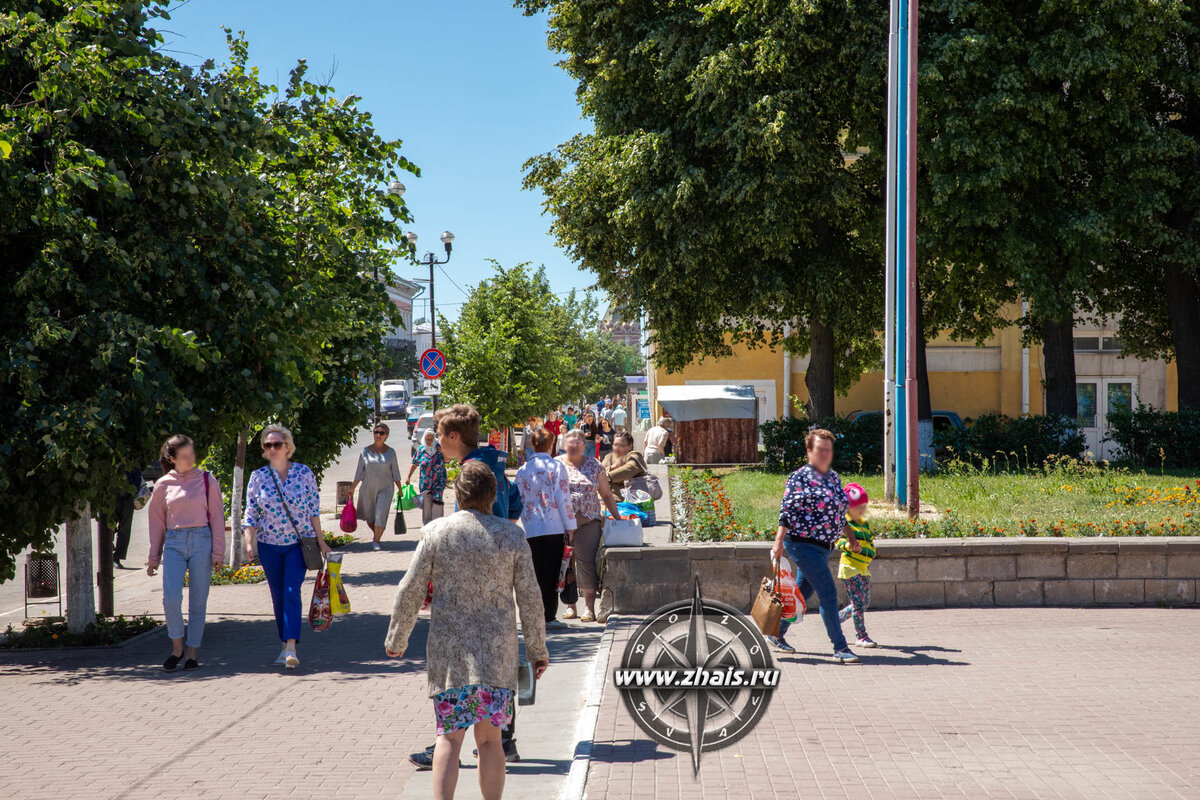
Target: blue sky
{"points": [[468, 85]]}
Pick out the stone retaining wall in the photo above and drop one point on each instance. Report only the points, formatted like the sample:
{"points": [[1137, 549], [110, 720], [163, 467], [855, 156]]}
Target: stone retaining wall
{"points": [[930, 573]]}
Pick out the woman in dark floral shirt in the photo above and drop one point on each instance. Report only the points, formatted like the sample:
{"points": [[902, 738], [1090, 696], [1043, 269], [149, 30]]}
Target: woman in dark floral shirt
{"points": [[812, 516]]}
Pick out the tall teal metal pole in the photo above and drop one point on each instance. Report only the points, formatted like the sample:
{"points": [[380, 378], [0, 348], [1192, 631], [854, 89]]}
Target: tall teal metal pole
{"points": [[901, 464]]}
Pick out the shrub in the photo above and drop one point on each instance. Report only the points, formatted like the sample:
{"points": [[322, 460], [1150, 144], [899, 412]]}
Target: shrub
{"points": [[859, 446], [1021, 443], [1168, 439], [53, 633]]}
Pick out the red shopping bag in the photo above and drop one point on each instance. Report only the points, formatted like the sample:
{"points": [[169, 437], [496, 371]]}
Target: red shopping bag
{"points": [[349, 517], [320, 616], [428, 595], [568, 551]]}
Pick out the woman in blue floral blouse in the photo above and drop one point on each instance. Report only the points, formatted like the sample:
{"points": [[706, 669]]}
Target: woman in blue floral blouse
{"points": [[812, 516], [282, 504], [432, 480]]}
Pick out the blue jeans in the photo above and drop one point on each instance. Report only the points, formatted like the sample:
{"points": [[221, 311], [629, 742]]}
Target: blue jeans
{"points": [[812, 572], [284, 567], [187, 550]]}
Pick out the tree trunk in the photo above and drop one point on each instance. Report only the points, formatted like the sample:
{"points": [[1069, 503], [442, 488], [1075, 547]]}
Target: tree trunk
{"points": [[81, 601], [819, 377], [1183, 309], [237, 500], [1058, 351], [104, 575]]}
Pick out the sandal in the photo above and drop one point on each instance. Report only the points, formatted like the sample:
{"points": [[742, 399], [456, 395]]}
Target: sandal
{"points": [[569, 614], [588, 616]]}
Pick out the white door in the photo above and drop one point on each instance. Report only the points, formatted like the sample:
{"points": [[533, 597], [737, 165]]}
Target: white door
{"points": [[1096, 398]]}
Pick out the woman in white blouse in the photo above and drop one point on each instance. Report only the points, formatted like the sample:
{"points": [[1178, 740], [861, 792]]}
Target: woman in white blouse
{"points": [[547, 515]]}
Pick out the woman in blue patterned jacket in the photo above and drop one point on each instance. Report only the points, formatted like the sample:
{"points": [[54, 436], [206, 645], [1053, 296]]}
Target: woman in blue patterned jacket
{"points": [[812, 516]]}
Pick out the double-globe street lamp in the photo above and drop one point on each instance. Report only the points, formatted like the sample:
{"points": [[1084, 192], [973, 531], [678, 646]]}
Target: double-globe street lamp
{"points": [[396, 189]]}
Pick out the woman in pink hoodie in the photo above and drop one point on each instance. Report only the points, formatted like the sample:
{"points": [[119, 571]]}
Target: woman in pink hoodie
{"points": [[187, 535]]}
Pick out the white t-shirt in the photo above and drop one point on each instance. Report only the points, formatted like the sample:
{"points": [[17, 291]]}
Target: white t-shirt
{"points": [[656, 439]]}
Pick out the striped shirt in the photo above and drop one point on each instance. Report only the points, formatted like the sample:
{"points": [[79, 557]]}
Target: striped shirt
{"points": [[853, 563]]}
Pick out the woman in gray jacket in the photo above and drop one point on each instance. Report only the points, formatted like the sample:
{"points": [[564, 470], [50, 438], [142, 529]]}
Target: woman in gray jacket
{"points": [[476, 562]]}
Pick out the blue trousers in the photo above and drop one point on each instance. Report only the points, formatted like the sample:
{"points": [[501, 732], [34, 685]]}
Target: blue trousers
{"points": [[284, 568], [187, 550], [812, 573]]}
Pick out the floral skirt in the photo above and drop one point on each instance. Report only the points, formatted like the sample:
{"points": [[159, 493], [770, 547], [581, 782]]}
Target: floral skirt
{"points": [[468, 705]]}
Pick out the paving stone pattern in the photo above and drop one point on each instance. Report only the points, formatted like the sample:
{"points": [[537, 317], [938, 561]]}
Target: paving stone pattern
{"points": [[956, 703]]}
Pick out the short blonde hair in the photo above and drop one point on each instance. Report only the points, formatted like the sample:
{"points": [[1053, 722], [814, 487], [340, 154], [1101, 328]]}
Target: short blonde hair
{"points": [[289, 444], [574, 433]]}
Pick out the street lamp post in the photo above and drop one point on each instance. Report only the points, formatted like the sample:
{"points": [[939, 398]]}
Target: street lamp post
{"points": [[432, 260]]}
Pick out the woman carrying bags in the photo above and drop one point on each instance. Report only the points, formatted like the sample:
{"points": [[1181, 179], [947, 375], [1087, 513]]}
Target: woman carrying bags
{"points": [[187, 535], [282, 505], [588, 485], [378, 471], [432, 481]]}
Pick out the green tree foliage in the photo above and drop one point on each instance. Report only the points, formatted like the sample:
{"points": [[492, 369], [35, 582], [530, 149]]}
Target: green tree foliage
{"points": [[609, 363], [508, 352], [183, 252], [713, 194], [1040, 154]]}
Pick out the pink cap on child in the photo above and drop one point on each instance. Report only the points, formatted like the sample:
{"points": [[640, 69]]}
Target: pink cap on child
{"points": [[856, 494]]}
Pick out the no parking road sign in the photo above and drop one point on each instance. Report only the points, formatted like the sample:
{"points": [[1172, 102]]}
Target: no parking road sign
{"points": [[433, 363]]}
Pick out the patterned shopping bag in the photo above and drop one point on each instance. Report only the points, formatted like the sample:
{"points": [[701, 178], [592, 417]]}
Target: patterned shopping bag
{"points": [[319, 614]]}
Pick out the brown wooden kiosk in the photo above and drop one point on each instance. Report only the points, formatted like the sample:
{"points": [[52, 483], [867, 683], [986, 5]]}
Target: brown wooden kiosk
{"points": [[714, 423]]}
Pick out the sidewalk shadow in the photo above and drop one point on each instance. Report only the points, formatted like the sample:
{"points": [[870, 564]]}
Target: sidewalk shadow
{"points": [[627, 751], [906, 656]]}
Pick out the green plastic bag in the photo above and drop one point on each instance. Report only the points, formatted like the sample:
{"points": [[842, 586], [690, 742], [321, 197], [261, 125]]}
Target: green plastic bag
{"points": [[408, 497]]}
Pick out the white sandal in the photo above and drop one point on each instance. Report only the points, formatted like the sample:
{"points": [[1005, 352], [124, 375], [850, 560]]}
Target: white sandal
{"points": [[588, 616], [291, 661]]}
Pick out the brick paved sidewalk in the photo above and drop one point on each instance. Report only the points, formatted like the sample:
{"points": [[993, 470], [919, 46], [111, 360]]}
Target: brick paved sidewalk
{"points": [[111, 724], [988, 703]]}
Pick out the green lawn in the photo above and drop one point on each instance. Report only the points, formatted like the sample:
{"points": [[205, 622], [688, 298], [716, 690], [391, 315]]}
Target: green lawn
{"points": [[1082, 501]]}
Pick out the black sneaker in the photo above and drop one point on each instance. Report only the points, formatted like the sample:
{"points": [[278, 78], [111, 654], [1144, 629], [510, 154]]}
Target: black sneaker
{"points": [[191, 663], [172, 662], [510, 751], [424, 759]]}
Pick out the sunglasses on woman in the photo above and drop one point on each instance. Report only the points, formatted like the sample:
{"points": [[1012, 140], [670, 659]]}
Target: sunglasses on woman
{"points": [[380, 433], [272, 445]]}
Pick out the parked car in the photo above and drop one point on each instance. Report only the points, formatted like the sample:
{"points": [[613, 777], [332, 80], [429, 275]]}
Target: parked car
{"points": [[424, 423], [941, 421], [416, 406], [394, 404]]}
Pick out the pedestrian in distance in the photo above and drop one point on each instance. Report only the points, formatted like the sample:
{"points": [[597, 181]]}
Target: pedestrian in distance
{"points": [[605, 434], [458, 433], [378, 472], [854, 565], [477, 563], [282, 505], [187, 536], [116, 527], [431, 481], [812, 515], [589, 429], [589, 485], [547, 516], [619, 417], [570, 418], [658, 441]]}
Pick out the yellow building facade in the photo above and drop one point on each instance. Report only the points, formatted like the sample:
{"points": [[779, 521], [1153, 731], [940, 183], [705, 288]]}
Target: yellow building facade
{"points": [[999, 377]]}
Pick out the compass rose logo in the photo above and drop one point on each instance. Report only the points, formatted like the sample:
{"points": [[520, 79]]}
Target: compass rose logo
{"points": [[696, 675]]}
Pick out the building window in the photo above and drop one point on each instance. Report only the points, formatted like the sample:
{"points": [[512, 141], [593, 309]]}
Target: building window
{"points": [[1098, 343]]}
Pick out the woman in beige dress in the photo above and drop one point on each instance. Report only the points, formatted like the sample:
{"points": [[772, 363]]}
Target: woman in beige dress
{"points": [[378, 471], [477, 562]]}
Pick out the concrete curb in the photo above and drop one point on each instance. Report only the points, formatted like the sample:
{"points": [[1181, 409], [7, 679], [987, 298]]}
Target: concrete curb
{"points": [[575, 787]]}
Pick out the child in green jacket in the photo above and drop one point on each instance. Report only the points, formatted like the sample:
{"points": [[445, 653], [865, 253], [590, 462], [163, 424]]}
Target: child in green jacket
{"points": [[853, 568]]}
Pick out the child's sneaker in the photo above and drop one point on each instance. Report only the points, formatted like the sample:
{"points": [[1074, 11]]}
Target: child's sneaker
{"points": [[866, 642], [780, 644], [846, 656]]}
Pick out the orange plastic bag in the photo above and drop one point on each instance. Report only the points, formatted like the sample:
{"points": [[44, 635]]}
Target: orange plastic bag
{"points": [[794, 606]]}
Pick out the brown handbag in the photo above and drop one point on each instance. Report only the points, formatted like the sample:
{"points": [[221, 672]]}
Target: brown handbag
{"points": [[767, 611]]}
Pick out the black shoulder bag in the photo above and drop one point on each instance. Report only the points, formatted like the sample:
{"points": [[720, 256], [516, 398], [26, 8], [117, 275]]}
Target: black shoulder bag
{"points": [[308, 544]]}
